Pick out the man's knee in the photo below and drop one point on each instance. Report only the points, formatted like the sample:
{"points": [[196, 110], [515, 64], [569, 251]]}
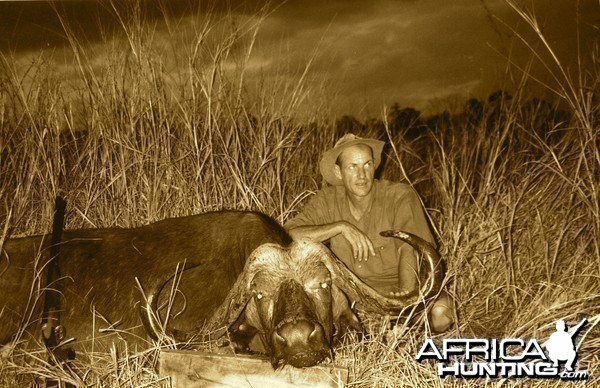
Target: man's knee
{"points": [[441, 315]]}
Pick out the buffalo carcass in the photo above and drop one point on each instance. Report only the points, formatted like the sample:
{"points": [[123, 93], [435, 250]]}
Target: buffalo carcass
{"points": [[293, 296]]}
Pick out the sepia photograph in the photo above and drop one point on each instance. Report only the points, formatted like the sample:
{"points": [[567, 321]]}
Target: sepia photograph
{"points": [[282, 193]]}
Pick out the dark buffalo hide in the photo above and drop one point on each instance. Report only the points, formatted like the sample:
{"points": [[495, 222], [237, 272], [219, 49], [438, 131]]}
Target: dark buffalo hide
{"points": [[99, 267]]}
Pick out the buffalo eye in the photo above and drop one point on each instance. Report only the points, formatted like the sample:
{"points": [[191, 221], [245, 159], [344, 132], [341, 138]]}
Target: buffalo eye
{"points": [[324, 285], [259, 295]]}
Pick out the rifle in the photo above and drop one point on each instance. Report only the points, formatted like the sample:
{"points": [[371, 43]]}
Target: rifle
{"points": [[573, 332], [53, 333]]}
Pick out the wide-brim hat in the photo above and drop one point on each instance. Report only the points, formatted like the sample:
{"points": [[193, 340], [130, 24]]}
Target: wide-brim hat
{"points": [[329, 158]]}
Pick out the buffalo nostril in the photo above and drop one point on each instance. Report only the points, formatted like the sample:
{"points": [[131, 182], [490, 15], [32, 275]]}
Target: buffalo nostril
{"points": [[298, 333], [314, 335], [280, 340]]}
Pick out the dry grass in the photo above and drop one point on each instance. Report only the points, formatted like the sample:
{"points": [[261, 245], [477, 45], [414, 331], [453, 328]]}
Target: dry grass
{"points": [[516, 210]]}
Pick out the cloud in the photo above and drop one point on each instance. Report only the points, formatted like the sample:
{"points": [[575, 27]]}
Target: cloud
{"points": [[406, 52], [410, 52], [367, 53]]}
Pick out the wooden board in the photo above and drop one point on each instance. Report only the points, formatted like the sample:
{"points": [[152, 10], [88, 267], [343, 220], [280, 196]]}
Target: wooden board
{"points": [[198, 369]]}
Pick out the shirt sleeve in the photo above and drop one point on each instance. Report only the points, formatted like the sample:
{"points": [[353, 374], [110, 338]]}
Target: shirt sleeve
{"points": [[315, 212]]}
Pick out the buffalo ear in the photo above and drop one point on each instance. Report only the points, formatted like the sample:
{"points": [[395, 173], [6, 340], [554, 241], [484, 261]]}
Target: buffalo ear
{"points": [[344, 319], [235, 302], [242, 333], [262, 257]]}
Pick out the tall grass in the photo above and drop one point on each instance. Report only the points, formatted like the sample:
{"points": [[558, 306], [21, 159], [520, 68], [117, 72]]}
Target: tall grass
{"points": [[168, 127]]}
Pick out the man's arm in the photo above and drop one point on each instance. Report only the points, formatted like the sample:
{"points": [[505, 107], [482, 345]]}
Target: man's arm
{"points": [[362, 246], [318, 233]]}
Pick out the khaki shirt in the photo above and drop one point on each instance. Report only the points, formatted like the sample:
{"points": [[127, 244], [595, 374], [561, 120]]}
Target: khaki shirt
{"points": [[394, 206]]}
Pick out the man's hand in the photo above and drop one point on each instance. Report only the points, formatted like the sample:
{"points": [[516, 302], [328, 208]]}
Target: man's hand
{"points": [[362, 247]]}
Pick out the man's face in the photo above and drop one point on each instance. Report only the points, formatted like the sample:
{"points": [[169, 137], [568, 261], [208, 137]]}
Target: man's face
{"points": [[357, 170]]}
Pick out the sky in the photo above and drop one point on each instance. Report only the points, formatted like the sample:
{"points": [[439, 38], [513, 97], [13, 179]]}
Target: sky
{"points": [[368, 54]]}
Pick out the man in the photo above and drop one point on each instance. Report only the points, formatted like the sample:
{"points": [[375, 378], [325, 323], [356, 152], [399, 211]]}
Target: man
{"points": [[355, 208]]}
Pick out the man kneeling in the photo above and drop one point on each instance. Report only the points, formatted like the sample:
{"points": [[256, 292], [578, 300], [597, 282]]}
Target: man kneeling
{"points": [[355, 208]]}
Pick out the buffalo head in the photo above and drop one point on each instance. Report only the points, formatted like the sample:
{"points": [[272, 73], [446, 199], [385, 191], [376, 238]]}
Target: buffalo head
{"points": [[297, 299]]}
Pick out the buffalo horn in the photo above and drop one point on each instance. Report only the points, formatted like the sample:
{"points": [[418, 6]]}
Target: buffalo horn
{"points": [[373, 301]]}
